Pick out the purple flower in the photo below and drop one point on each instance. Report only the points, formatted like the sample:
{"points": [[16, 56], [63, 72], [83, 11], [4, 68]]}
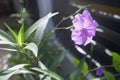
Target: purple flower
{"points": [[84, 28], [100, 71]]}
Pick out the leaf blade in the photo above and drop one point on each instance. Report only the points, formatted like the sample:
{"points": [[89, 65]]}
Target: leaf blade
{"points": [[20, 38], [32, 47], [11, 31], [6, 74], [76, 74], [116, 61], [8, 43], [48, 72], [5, 37], [37, 24]]}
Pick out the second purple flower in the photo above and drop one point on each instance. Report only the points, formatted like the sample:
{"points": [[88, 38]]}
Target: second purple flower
{"points": [[84, 28]]}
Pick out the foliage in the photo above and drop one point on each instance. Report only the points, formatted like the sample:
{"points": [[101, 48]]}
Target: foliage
{"points": [[22, 46], [116, 61]]}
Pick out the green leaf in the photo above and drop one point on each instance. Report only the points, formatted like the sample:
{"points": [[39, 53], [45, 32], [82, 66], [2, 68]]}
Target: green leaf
{"points": [[108, 76], [33, 47], [42, 66], [20, 38], [6, 74], [5, 37], [23, 13], [116, 61], [8, 43], [8, 49], [43, 77], [11, 31], [78, 71], [23, 71], [18, 66], [85, 68], [49, 73], [76, 62], [41, 23], [40, 30]]}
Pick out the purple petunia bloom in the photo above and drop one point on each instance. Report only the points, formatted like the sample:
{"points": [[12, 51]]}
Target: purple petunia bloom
{"points": [[84, 28], [100, 71]]}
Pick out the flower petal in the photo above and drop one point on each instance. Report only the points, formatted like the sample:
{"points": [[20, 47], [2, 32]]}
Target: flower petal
{"points": [[84, 28]]}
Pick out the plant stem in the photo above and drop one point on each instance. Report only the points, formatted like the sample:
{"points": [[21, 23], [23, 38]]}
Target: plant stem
{"points": [[91, 53]]}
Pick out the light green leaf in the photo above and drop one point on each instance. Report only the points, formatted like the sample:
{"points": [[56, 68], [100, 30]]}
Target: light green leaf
{"points": [[20, 38], [49, 73], [76, 62], [85, 68], [5, 37], [33, 47], [108, 76], [116, 61], [41, 23], [11, 31], [77, 73]]}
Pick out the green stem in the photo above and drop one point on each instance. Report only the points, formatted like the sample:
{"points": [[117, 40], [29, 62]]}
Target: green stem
{"points": [[91, 53]]}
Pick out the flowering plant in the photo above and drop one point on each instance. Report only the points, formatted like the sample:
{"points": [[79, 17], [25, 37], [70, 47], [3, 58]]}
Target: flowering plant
{"points": [[28, 44]]}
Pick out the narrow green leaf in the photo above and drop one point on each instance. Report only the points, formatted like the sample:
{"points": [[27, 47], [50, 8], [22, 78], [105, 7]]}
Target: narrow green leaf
{"points": [[8, 43], [20, 38], [40, 23], [11, 31], [77, 73], [8, 49], [18, 69], [5, 37], [48, 72], [23, 71], [33, 47], [116, 61], [23, 13], [18, 66], [43, 77], [40, 30], [108, 76], [6, 76], [42, 66]]}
